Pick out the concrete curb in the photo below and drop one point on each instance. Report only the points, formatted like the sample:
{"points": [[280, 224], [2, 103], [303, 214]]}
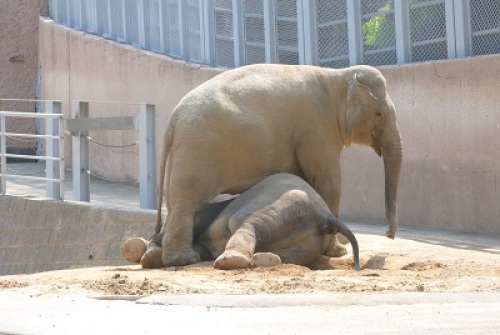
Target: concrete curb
{"points": [[334, 300]]}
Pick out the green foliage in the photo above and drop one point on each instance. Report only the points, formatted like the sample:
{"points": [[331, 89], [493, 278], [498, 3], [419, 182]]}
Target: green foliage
{"points": [[376, 28], [425, 23]]}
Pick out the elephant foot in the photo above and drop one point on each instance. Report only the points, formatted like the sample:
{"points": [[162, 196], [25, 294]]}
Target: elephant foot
{"points": [[133, 249], [152, 258], [232, 260], [342, 239], [180, 257], [265, 259], [335, 249]]}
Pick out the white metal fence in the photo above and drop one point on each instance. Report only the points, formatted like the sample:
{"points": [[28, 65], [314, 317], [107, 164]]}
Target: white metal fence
{"points": [[54, 146], [333, 33], [78, 126]]}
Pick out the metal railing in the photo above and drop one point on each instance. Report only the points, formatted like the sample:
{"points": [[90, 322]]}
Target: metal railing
{"points": [[79, 126], [54, 146], [334, 33]]}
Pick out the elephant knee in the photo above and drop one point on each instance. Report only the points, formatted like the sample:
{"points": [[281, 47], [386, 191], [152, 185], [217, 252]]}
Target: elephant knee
{"points": [[236, 221]]}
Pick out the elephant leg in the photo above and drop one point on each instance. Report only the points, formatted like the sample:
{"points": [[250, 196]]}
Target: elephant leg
{"points": [[188, 191], [152, 257], [335, 247], [328, 186], [240, 247], [177, 242]]}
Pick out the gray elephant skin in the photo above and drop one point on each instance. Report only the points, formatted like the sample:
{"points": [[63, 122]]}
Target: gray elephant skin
{"points": [[281, 219], [231, 132]]}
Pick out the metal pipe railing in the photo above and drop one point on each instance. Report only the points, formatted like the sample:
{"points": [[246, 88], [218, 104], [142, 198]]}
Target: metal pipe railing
{"points": [[54, 131]]}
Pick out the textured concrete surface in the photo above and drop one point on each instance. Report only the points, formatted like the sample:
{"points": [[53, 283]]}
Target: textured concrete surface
{"points": [[448, 112], [39, 234], [19, 63], [402, 313]]}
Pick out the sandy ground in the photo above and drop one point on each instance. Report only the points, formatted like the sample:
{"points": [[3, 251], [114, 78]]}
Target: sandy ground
{"points": [[417, 260]]}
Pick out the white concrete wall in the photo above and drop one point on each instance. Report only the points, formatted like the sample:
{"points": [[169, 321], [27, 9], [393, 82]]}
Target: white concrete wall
{"points": [[448, 112]]}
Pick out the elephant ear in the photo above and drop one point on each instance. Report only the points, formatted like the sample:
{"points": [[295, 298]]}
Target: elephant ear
{"points": [[360, 102]]}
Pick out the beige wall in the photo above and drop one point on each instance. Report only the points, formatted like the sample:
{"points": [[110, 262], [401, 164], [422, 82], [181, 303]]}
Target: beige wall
{"points": [[18, 61], [79, 66], [448, 111]]}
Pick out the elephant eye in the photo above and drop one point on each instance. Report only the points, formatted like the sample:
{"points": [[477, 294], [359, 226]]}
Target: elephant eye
{"points": [[378, 115]]}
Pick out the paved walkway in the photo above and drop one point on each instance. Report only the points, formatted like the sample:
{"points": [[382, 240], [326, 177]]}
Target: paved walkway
{"points": [[397, 313], [101, 191]]}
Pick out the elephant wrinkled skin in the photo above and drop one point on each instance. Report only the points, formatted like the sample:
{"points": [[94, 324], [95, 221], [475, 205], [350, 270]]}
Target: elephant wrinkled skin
{"points": [[248, 123], [281, 219]]}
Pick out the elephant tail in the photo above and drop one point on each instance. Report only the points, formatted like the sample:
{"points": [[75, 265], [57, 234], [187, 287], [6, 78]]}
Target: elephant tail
{"points": [[167, 142], [331, 225]]}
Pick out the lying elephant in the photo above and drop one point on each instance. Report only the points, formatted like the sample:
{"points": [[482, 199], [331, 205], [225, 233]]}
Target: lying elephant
{"points": [[245, 124], [280, 219]]}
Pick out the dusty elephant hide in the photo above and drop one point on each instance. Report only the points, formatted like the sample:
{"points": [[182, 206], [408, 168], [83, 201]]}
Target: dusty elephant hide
{"points": [[281, 219], [239, 127]]}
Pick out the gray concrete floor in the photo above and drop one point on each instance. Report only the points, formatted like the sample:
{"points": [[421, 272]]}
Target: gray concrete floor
{"points": [[101, 191], [398, 313]]}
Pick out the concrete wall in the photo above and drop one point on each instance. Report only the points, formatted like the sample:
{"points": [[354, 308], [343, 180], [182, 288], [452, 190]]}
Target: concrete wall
{"points": [[448, 112], [42, 235], [18, 63], [79, 66]]}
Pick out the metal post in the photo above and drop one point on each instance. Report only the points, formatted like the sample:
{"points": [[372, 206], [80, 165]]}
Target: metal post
{"points": [[402, 22], [450, 28], [354, 27], [183, 41], [125, 24], [110, 20], [94, 27], [68, 15], [208, 32], [79, 14], [163, 28], [55, 10], [81, 177], [143, 32], [62, 169], [463, 38], [308, 53], [238, 33], [147, 157], [270, 30], [52, 190], [3, 152]]}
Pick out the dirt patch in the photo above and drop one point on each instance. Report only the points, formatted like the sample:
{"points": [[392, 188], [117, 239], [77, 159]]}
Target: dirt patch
{"points": [[404, 264], [423, 266]]}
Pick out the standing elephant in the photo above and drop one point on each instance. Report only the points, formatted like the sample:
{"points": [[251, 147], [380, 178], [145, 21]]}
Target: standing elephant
{"points": [[248, 123], [280, 219]]}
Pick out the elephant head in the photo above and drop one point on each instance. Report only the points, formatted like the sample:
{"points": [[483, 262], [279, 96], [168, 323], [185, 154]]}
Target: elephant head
{"points": [[370, 120]]}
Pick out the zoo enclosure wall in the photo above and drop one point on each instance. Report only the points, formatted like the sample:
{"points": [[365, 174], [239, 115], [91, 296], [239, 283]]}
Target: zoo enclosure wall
{"points": [[43, 235], [448, 112]]}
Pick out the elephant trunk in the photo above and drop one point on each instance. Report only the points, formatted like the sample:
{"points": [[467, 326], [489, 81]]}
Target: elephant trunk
{"points": [[392, 155]]}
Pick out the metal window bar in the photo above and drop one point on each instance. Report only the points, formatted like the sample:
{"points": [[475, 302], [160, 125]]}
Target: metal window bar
{"points": [[327, 32], [54, 138]]}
